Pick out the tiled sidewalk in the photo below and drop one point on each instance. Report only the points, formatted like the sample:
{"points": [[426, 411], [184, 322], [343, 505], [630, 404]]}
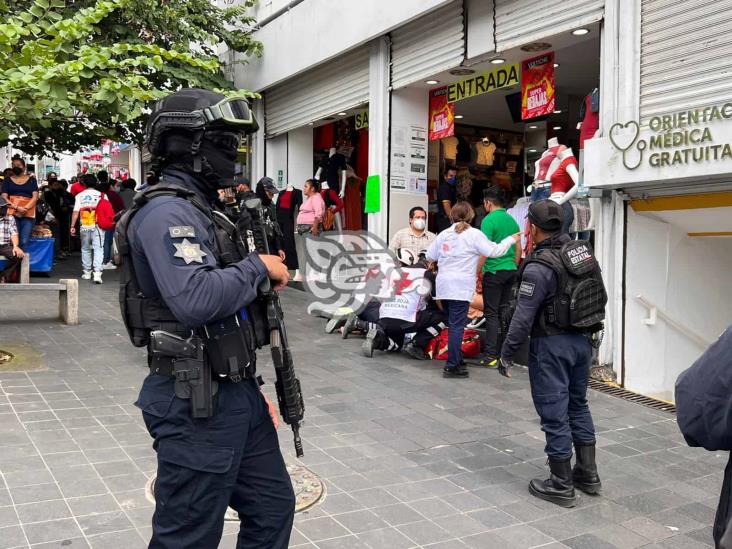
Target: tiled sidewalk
{"points": [[409, 459]]}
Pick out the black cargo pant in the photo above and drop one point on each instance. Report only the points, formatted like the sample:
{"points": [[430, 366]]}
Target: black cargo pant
{"points": [[496, 294], [205, 465], [427, 325]]}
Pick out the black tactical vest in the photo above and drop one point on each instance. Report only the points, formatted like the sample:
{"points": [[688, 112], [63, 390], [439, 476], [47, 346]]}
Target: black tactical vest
{"points": [[142, 314], [579, 302]]}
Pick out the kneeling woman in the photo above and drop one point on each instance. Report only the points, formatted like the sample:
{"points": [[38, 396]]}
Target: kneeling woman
{"points": [[457, 250]]}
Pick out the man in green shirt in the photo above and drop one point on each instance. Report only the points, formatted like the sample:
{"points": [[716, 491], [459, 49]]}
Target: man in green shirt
{"points": [[499, 273]]}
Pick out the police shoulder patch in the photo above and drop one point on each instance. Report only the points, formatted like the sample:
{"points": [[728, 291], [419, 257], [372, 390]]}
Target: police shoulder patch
{"points": [[188, 251], [527, 289], [182, 231]]}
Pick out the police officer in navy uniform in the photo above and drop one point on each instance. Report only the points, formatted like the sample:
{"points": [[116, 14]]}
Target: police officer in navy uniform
{"points": [[178, 275], [559, 360]]}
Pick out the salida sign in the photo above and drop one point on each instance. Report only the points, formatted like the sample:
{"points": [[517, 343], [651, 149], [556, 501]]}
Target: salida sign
{"points": [[675, 139]]}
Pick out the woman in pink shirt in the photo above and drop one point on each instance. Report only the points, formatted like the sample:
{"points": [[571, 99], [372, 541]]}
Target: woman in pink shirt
{"points": [[308, 220]]}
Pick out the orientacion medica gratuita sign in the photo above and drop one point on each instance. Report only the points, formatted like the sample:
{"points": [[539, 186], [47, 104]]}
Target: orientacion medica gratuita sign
{"points": [[681, 145]]}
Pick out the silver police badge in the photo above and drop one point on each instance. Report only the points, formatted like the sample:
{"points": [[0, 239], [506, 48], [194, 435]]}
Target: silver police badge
{"points": [[189, 251]]}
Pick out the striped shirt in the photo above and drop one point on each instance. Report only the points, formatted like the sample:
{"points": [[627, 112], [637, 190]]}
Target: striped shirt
{"points": [[8, 228]]}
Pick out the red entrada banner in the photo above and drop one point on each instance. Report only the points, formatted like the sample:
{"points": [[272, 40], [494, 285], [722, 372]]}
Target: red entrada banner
{"points": [[537, 86], [442, 115]]}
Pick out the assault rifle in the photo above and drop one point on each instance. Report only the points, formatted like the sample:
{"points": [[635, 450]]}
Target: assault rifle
{"points": [[251, 228]]}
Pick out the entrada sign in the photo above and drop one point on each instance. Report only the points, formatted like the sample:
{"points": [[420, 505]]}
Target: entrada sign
{"points": [[487, 82], [677, 139]]}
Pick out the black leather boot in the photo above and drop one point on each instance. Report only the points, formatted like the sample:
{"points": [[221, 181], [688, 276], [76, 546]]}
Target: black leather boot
{"points": [[558, 488], [584, 474]]}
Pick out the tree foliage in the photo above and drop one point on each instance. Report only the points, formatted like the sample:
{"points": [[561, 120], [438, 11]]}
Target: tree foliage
{"points": [[75, 71]]}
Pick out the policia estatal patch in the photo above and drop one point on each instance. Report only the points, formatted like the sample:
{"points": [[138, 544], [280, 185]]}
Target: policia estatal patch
{"points": [[182, 231], [189, 251], [527, 289]]}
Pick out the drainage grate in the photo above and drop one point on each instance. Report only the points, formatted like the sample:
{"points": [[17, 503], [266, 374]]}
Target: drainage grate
{"points": [[619, 392]]}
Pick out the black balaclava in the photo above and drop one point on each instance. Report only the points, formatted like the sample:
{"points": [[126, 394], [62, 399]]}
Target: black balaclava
{"points": [[218, 151]]}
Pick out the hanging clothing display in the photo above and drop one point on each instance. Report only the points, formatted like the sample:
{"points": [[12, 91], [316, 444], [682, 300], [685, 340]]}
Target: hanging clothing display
{"points": [[287, 204], [449, 147], [582, 215], [464, 184], [331, 170], [352, 201], [590, 115], [483, 153]]}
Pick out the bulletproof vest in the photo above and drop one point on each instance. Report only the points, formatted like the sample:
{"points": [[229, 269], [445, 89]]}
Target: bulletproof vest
{"points": [[578, 305], [142, 314]]}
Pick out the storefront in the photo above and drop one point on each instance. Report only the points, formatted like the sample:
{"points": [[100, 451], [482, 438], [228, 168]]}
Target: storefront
{"points": [[665, 162], [475, 122]]}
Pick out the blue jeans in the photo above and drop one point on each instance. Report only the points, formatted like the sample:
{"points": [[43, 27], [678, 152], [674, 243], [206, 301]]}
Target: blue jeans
{"points": [[108, 238], [25, 226], [457, 312], [91, 250], [559, 369]]}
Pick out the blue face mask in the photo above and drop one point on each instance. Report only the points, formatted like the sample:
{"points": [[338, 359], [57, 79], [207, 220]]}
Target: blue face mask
{"points": [[452, 180]]}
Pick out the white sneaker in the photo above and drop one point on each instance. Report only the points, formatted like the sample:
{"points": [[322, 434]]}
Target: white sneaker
{"points": [[476, 323], [86, 275], [109, 266], [297, 277], [97, 278]]}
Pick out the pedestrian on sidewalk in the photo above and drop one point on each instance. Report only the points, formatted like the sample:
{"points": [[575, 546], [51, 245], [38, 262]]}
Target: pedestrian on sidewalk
{"points": [[499, 273], [308, 222], [21, 190], [106, 188], [561, 353], [92, 237], [9, 243], [457, 251]]}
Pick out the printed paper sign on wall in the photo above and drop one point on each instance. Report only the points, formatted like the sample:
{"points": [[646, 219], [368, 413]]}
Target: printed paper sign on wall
{"points": [[537, 86], [442, 115]]}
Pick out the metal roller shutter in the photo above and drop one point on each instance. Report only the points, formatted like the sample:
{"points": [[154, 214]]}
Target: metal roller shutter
{"points": [[520, 22], [337, 85], [427, 46], [686, 55]]}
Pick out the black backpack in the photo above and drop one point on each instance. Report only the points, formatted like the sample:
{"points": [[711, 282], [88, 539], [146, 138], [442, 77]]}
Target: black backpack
{"points": [[579, 302], [580, 299]]}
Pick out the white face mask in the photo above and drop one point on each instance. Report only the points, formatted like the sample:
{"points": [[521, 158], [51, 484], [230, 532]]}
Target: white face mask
{"points": [[419, 224]]}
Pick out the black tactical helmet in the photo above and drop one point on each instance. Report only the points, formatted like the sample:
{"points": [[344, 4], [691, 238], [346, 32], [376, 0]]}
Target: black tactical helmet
{"points": [[198, 131], [547, 215]]}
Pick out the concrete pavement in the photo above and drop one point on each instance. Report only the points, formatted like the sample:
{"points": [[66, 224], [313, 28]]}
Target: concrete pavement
{"points": [[409, 459]]}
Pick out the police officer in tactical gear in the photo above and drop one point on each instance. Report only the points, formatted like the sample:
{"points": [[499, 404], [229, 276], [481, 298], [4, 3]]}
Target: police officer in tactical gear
{"points": [[186, 295], [560, 271]]}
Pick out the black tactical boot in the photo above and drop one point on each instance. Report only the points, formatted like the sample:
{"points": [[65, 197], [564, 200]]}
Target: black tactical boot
{"points": [[558, 488], [415, 352], [584, 474], [374, 340], [459, 371], [354, 323]]}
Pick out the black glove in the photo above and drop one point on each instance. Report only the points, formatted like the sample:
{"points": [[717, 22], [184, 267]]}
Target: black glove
{"points": [[504, 367]]}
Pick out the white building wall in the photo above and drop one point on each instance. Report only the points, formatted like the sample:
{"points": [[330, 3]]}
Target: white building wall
{"points": [[300, 156], [409, 107], [687, 278], [276, 159], [315, 31]]}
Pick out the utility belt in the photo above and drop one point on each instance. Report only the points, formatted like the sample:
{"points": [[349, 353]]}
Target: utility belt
{"points": [[224, 353]]}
